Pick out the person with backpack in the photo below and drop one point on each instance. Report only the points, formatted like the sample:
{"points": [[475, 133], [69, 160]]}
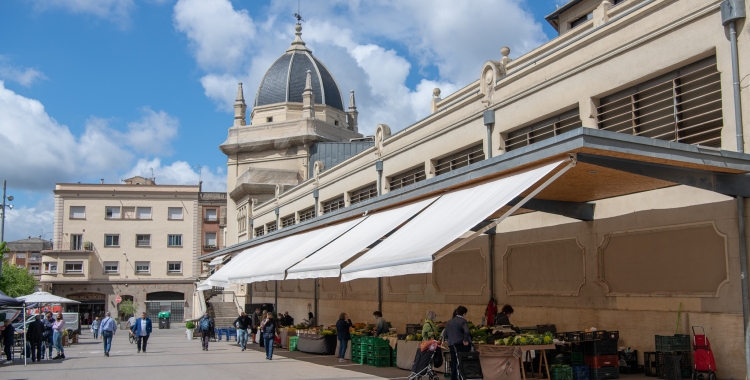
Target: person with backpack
{"points": [[205, 327], [458, 335], [269, 329]]}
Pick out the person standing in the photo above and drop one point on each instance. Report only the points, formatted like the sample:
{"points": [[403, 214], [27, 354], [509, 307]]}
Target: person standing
{"points": [[242, 323], [8, 334], [342, 330], [142, 331], [458, 335], [288, 320], [310, 319], [381, 326], [429, 330], [205, 326], [270, 330], [57, 334], [35, 336], [95, 327], [256, 322], [503, 318], [108, 328], [48, 333]]}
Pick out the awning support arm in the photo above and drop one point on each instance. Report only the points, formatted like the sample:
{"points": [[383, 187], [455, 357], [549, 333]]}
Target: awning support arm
{"points": [[575, 210], [727, 184]]}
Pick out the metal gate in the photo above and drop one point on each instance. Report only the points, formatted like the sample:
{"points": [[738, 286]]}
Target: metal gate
{"points": [[176, 308]]}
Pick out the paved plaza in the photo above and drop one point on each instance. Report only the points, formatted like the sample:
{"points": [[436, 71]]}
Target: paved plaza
{"points": [[171, 356]]}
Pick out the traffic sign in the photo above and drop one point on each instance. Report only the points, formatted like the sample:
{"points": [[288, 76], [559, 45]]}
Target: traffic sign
{"points": [[118, 299]]}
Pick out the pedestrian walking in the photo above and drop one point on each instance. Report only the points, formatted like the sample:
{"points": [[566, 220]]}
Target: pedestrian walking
{"points": [[270, 330], [48, 333], [142, 331], [205, 327], [256, 322], [458, 335], [242, 323], [109, 329], [35, 336], [57, 334], [342, 330], [95, 327], [8, 334]]}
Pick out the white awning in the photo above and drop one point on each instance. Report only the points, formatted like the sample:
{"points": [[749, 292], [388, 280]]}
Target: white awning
{"points": [[217, 260], [220, 278], [204, 285], [411, 248], [273, 264], [328, 260]]}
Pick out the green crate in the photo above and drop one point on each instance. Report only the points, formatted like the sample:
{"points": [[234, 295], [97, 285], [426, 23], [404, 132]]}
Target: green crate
{"points": [[561, 372], [576, 358], [379, 362], [357, 339], [358, 352], [379, 352], [678, 342], [359, 359], [379, 342]]}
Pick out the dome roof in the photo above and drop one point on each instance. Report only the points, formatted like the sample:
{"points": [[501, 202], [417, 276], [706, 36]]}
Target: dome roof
{"points": [[285, 79]]}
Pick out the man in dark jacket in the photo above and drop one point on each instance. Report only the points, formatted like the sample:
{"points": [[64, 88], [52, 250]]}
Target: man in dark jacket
{"points": [[205, 327], [242, 323], [256, 322], [342, 330], [458, 335], [8, 334], [288, 320], [35, 336], [142, 331]]}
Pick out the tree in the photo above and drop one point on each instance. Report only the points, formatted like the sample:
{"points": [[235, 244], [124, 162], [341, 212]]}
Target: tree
{"points": [[15, 281], [128, 307]]}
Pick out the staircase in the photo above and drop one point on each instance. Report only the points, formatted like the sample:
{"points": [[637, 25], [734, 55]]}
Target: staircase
{"points": [[223, 313]]}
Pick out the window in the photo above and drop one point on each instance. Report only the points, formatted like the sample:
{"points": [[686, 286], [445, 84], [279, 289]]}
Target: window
{"points": [[142, 240], [112, 212], [174, 267], [363, 194], [74, 267], [458, 160], [336, 122], [307, 214], [50, 268], [682, 106], [260, 231], [77, 212], [288, 221], [34, 269], [543, 130], [142, 267], [242, 219], [174, 240], [269, 119], [76, 242], [144, 213], [20, 255], [333, 205], [211, 215], [128, 212], [111, 240], [174, 213], [271, 227], [407, 178], [581, 20], [111, 266], [210, 241]]}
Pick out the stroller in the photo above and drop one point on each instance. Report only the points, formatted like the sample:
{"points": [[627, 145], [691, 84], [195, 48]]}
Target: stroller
{"points": [[703, 356], [425, 360]]}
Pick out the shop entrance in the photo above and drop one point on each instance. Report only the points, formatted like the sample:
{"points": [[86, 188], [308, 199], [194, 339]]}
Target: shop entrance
{"points": [[91, 305], [174, 302]]}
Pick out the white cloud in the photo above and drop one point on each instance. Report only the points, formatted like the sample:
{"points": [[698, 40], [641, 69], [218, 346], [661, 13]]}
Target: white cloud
{"points": [[23, 76], [117, 11], [22, 222], [153, 133], [370, 47], [180, 173]]}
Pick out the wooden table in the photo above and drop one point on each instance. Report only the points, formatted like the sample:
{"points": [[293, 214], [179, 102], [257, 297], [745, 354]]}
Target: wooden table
{"points": [[525, 353]]}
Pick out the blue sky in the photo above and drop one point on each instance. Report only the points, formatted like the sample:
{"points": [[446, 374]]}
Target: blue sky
{"points": [[111, 88]]}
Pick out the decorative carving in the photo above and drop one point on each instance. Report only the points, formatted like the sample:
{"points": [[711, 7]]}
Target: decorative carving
{"points": [[469, 265], [318, 168], [550, 268], [435, 99], [492, 71], [409, 284], [684, 260], [382, 133]]}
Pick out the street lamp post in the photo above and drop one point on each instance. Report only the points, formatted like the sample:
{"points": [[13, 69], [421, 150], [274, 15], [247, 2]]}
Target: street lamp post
{"points": [[2, 221]]}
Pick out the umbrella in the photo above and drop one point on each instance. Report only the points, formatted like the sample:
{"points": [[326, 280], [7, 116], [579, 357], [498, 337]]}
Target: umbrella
{"points": [[6, 301], [44, 297]]}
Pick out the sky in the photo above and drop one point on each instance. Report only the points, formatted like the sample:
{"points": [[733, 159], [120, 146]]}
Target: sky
{"points": [[94, 90]]}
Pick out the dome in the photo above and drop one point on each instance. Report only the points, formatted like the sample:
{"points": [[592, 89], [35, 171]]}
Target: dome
{"points": [[285, 79]]}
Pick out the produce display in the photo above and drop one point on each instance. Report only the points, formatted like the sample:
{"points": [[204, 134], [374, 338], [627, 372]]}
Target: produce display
{"points": [[417, 336], [525, 339]]}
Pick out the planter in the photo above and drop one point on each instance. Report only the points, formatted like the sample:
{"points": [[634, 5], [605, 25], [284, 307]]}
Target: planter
{"points": [[189, 334]]}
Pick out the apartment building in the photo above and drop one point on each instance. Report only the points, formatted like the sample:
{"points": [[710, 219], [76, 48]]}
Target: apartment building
{"points": [[27, 253], [137, 240], [213, 221]]}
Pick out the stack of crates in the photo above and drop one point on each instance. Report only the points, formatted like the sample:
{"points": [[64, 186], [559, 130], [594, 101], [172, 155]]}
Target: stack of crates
{"points": [[677, 345], [561, 372], [393, 357], [359, 349], [293, 343], [600, 354], [378, 352], [580, 372]]}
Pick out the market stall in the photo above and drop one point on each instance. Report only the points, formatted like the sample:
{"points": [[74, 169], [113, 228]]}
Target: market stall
{"points": [[315, 342], [285, 333]]}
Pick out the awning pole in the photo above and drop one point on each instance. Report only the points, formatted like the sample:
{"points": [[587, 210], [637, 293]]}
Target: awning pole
{"points": [[743, 277], [276, 297], [24, 334], [491, 261], [315, 300], [380, 294]]}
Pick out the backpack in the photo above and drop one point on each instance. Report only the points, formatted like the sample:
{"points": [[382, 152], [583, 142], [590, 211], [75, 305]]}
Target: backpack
{"points": [[205, 324]]}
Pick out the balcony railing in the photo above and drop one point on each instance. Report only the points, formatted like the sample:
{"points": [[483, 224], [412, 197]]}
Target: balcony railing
{"points": [[209, 247], [211, 220], [35, 259]]}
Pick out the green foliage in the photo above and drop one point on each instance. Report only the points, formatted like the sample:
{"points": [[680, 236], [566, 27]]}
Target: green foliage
{"points": [[189, 325], [15, 281], [128, 307]]}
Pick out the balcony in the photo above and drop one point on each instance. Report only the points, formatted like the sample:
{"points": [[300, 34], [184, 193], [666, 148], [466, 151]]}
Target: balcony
{"points": [[210, 247], [35, 260], [212, 219]]}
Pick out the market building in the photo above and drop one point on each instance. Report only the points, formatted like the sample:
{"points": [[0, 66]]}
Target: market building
{"points": [[623, 139], [137, 240]]}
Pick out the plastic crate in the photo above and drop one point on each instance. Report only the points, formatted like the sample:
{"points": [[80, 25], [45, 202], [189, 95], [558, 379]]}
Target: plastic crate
{"points": [[541, 329], [357, 339], [574, 336], [678, 342], [580, 372], [357, 351], [379, 352], [561, 373], [587, 336], [379, 362], [604, 373], [293, 343], [672, 370], [600, 347], [614, 335], [602, 334], [359, 359], [649, 363], [561, 336], [576, 358], [602, 361], [378, 342]]}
